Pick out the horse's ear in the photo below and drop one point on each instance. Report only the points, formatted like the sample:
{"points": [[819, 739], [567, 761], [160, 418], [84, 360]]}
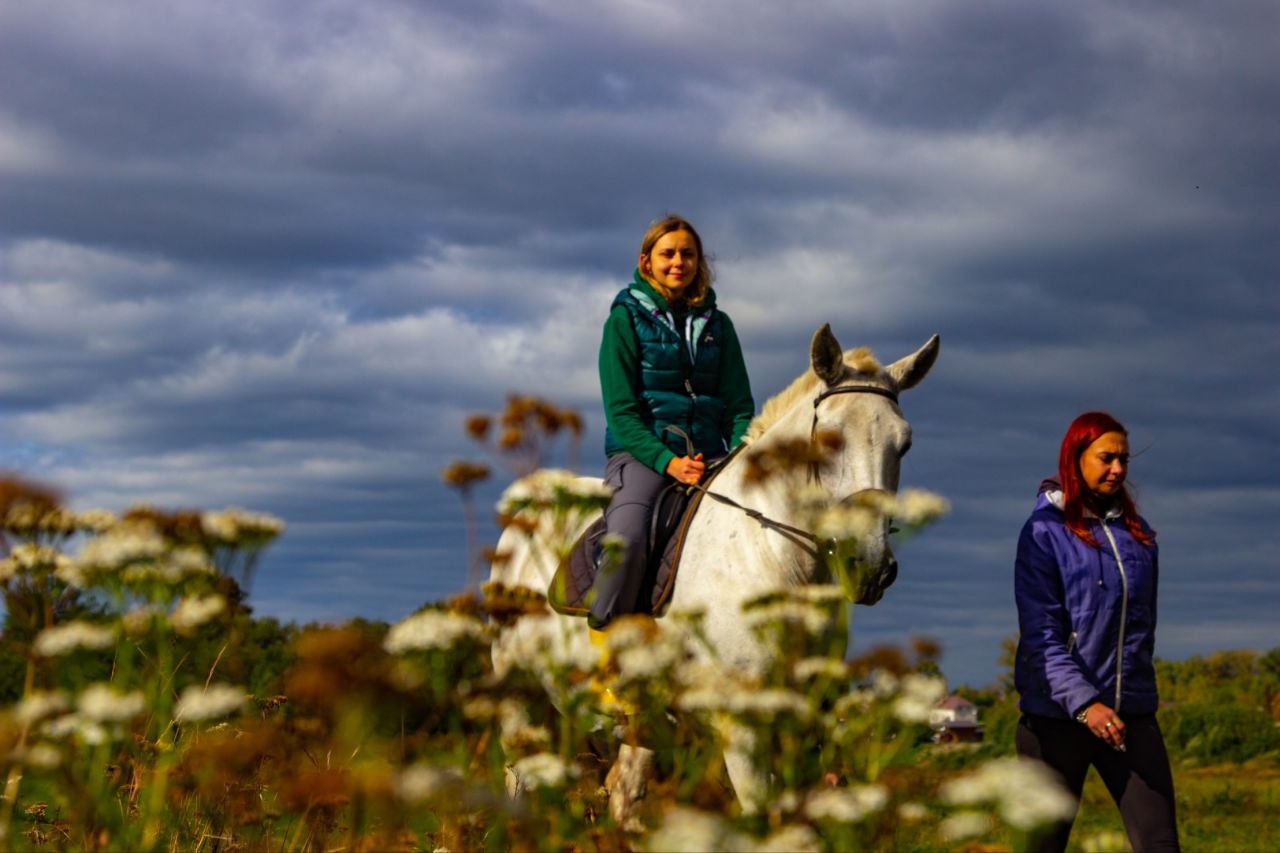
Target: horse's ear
{"points": [[826, 356], [907, 372]]}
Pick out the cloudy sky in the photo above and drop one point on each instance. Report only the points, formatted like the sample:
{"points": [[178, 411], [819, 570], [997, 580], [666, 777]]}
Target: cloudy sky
{"points": [[270, 254]]}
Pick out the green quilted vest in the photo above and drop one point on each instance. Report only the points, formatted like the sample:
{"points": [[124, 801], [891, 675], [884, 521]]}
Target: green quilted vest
{"points": [[679, 388]]}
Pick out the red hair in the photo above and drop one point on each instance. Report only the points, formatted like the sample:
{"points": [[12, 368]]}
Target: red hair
{"points": [[1084, 431]]}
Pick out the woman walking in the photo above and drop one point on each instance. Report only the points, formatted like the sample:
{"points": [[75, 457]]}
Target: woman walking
{"points": [[1085, 582]]}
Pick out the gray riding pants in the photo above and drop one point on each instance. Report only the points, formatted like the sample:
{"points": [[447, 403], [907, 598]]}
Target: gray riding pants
{"points": [[616, 589]]}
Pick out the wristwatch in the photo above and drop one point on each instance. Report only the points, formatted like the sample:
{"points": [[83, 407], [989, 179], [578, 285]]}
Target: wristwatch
{"points": [[1083, 716]]}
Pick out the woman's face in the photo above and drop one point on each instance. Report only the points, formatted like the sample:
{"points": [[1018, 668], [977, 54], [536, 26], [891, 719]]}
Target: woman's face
{"points": [[672, 263], [1104, 463]]}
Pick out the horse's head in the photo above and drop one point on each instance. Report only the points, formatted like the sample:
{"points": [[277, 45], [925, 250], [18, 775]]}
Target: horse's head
{"points": [[860, 403]]}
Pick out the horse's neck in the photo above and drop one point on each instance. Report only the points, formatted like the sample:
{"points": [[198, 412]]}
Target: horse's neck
{"points": [[783, 561]]}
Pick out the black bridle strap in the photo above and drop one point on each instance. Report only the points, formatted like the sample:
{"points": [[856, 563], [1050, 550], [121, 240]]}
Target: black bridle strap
{"points": [[842, 389], [803, 538]]}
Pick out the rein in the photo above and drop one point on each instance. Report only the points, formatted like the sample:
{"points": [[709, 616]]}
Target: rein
{"points": [[805, 540]]}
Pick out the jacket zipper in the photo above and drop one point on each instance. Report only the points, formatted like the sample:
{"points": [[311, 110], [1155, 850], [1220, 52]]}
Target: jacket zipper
{"points": [[1124, 611], [1071, 641]]}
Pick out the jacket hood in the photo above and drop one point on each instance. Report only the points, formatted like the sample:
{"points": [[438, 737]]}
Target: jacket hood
{"points": [[1056, 499]]}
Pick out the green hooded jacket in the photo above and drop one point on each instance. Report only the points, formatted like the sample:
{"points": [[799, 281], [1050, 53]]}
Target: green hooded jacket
{"points": [[660, 368]]}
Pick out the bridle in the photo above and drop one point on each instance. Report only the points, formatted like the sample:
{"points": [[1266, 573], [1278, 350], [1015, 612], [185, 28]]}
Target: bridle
{"points": [[831, 392], [807, 541]]}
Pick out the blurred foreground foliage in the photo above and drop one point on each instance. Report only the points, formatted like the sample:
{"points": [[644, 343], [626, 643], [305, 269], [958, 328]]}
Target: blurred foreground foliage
{"points": [[144, 707]]}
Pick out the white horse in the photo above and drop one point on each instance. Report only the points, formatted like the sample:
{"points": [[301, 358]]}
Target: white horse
{"points": [[729, 558]]}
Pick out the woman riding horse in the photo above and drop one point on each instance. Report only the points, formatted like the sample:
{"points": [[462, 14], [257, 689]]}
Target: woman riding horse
{"points": [[669, 358]]}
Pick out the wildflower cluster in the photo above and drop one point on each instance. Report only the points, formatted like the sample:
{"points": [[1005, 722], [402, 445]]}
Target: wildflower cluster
{"points": [[482, 722], [99, 605]]}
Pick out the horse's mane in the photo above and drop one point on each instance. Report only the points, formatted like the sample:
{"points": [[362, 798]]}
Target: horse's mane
{"points": [[805, 387]]}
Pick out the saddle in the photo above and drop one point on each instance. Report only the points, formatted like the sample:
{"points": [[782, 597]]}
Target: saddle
{"points": [[672, 514]]}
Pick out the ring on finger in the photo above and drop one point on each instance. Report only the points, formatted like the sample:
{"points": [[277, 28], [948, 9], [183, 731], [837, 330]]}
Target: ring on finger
{"points": [[1110, 724]]}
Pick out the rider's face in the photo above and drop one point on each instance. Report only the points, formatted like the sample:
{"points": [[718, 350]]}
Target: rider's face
{"points": [[672, 263]]}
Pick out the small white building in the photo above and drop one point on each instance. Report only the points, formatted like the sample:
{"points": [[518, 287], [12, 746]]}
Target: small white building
{"points": [[955, 720]]}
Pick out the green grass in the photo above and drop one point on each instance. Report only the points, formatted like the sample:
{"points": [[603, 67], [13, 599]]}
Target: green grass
{"points": [[1225, 808]]}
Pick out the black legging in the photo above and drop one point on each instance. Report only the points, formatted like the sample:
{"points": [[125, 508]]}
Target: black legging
{"points": [[1139, 778]]}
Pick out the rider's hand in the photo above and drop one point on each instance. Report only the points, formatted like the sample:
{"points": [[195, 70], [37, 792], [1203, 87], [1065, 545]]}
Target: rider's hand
{"points": [[687, 469], [1106, 724]]}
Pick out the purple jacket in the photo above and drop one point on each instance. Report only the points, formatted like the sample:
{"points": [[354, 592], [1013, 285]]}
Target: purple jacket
{"points": [[1076, 606]]}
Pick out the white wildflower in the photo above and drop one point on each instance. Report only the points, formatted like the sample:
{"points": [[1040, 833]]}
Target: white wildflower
{"points": [[884, 683], [75, 725], [541, 642], [219, 700], [423, 782], [920, 695], [769, 703], [916, 507], [28, 558], [697, 672], [96, 520], [517, 730], [689, 829], [553, 487], [796, 838], [630, 631], [644, 663], [120, 546], [844, 522], [813, 619], [545, 770], [848, 805], [819, 593], [1026, 792], [195, 610], [806, 669], [61, 727], [855, 700], [42, 756], [62, 639], [40, 704], [189, 562], [240, 527], [913, 812], [963, 825], [432, 629], [703, 699], [101, 703], [71, 572]]}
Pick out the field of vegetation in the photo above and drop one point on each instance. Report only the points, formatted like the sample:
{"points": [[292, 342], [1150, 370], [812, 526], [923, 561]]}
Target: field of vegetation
{"points": [[144, 707]]}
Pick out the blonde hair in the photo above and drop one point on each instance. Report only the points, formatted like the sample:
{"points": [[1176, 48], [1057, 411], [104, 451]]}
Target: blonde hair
{"points": [[701, 284]]}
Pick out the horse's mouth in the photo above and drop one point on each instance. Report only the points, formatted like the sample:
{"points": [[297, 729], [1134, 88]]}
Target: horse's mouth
{"points": [[873, 589]]}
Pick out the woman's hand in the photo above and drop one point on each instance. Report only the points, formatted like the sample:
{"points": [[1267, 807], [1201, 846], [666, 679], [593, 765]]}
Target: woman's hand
{"points": [[687, 469], [1106, 724]]}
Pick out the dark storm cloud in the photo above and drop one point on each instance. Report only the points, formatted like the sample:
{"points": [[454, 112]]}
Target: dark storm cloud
{"points": [[255, 255]]}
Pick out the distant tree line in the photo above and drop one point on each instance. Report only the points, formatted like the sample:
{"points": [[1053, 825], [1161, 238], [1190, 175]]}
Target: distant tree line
{"points": [[1220, 708]]}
